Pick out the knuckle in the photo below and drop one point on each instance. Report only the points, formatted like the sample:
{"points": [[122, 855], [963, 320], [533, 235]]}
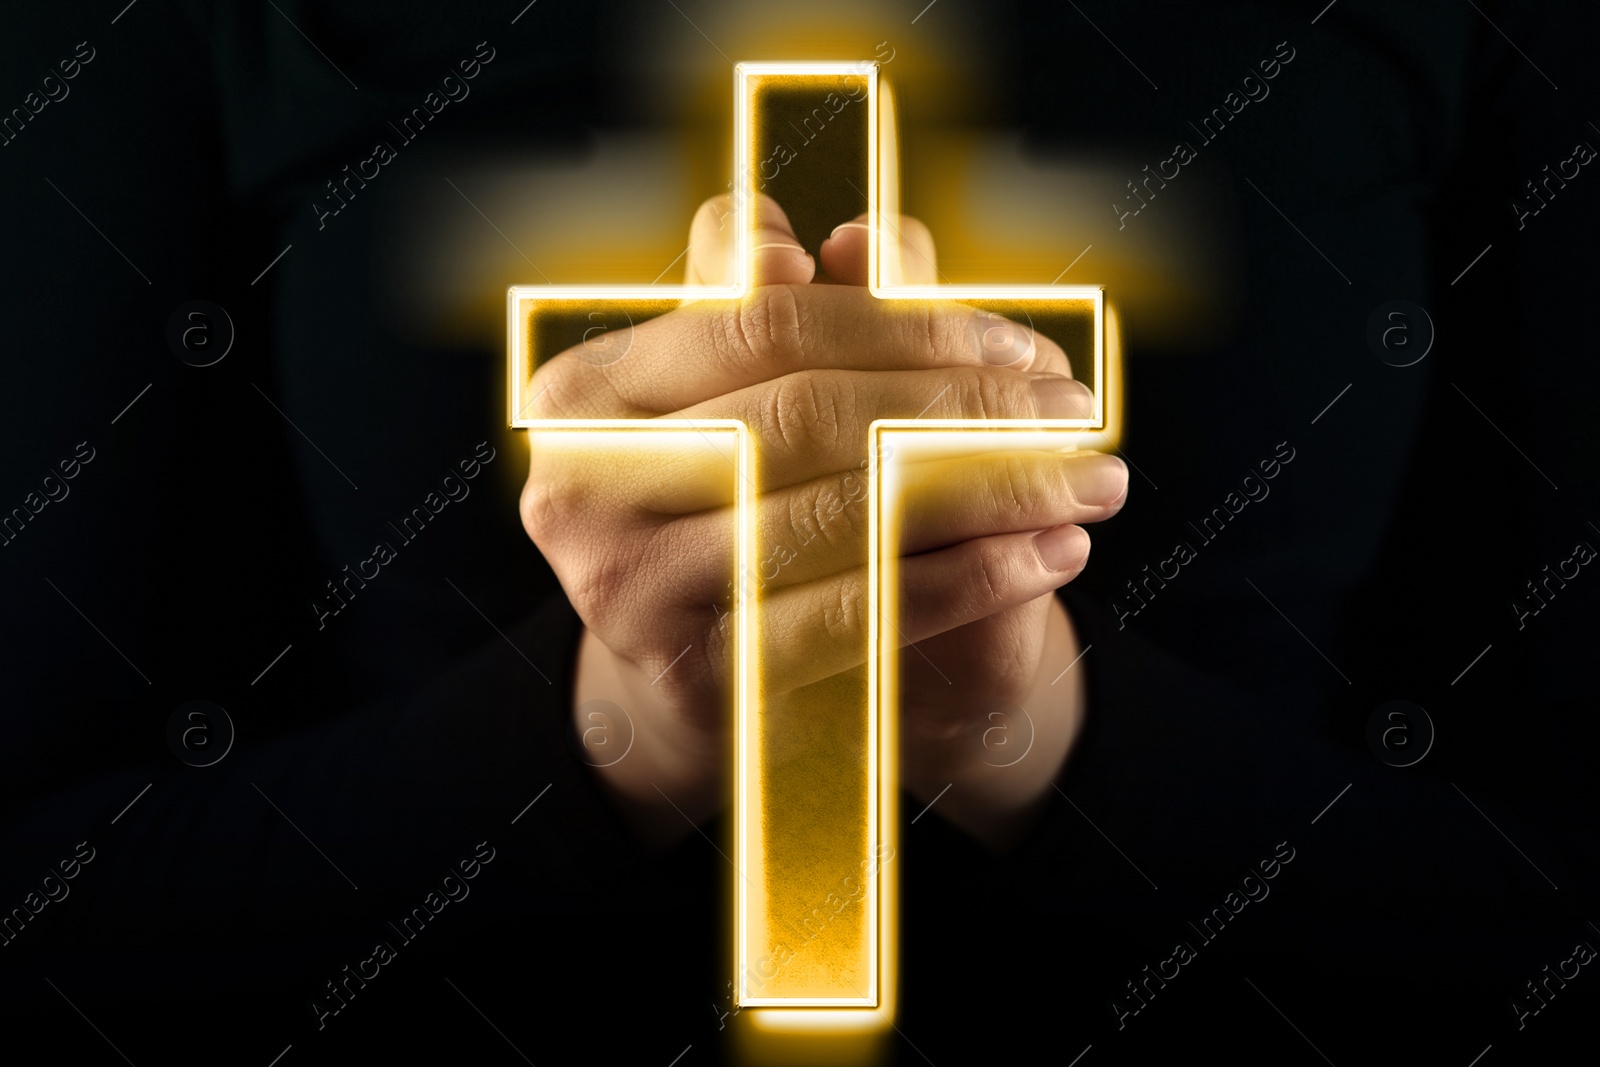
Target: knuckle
{"points": [[989, 577], [542, 508], [843, 619], [1016, 485], [927, 327], [567, 386], [551, 383], [767, 326], [803, 410], [596, 572], [947, 331], [833, 516], [986, 395]]}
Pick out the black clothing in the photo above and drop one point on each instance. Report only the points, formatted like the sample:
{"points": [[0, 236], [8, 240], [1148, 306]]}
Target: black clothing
{"points": [[399, 739]]}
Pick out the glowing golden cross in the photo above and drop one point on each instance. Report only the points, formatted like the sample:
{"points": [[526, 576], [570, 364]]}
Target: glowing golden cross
{"points": [[815, 809]]}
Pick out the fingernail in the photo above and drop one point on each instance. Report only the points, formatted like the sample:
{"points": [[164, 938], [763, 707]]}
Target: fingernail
{"points": [[1058, 397], [1004, 343], [1098, 480], [779, 244], [848, 226], [1063, 548]]}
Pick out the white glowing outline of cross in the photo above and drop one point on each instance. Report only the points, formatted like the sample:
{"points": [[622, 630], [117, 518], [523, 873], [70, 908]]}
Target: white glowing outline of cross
{"points": [[1091, 431]]}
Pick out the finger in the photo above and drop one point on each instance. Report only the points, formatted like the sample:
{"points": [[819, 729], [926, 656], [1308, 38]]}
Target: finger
{"points": [[713, 347], [844, 253], [776, 255], [844, 258], [809, 531], [944, 502], [820, 528], [594, 490], [814, 423], [817, 630]]}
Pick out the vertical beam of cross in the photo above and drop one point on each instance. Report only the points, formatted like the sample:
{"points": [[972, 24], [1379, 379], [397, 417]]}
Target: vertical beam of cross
{"points": [[815, 786]]}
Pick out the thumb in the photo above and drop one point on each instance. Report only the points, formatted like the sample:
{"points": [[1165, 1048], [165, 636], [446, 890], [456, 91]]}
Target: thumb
{"points": [[844, 253], [776, 257]]}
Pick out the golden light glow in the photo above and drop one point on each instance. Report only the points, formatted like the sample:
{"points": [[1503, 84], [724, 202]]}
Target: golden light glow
{"points": [[816, 781]]}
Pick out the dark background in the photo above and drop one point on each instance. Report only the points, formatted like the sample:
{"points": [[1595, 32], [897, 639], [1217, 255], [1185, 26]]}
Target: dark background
{"points": [[1225, 717]]}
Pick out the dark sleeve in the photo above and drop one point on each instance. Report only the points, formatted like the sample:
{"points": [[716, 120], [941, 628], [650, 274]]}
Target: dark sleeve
{"points": [[1197, 833], [291, 838], [169, 529]]}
